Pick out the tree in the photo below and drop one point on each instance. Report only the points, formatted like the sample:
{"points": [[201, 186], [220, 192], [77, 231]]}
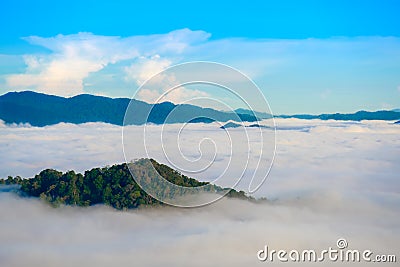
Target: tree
{"points": [[112, 185]]}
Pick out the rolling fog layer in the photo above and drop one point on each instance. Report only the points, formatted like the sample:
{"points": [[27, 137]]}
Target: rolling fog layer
{"points": [[329, 180]]}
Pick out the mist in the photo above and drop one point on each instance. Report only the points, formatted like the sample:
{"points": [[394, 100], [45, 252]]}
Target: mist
{"points": [[329, 180]]}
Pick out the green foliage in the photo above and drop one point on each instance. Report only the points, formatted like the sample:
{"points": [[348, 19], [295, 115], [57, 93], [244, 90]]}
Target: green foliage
{"points": [[237, 194], [174, 176], [10, 180], [113, 186]]}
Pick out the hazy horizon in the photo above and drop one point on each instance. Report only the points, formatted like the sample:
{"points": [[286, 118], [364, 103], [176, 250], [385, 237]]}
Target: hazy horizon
{"points": [[207, 106]]}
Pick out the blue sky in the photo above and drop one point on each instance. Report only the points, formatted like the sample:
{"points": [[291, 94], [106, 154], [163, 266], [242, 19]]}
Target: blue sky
{"points": [[306, 56]]}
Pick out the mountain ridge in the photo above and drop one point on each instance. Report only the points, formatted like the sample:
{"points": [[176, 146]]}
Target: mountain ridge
{"points": [[40, 109], [360, 115]]}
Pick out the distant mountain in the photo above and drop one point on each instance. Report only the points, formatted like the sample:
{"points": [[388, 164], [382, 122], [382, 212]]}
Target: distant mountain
{"points": [[260, 115], [256, 125], [40, 110], [230, 125], [236, 125], [358, 116]]}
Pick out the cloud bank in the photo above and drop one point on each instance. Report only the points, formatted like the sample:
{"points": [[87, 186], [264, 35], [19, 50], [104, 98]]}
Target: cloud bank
{"points": [[330, 179], [227, 233], [344, 152]]}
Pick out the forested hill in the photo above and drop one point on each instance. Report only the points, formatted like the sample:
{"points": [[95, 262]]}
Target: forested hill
{"points": [[40, 110], [113, 186]]}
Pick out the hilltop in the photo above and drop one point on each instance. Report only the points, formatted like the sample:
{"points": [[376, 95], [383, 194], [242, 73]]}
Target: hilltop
{"points": [[112, 186]]}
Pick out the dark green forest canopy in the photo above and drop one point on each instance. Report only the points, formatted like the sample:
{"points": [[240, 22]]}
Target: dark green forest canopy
{"points": [[112, 186]]}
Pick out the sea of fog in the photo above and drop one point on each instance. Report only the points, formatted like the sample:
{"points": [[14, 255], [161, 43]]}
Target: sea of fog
{"points": [[329, 180]]}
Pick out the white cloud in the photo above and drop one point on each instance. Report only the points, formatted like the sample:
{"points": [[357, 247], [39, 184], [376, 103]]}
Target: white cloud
{"points": [[177, 95], [111, 64], [161, 86], [73, 57], [146, 68], [330, 179], [306, 150], [227, 233]]}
